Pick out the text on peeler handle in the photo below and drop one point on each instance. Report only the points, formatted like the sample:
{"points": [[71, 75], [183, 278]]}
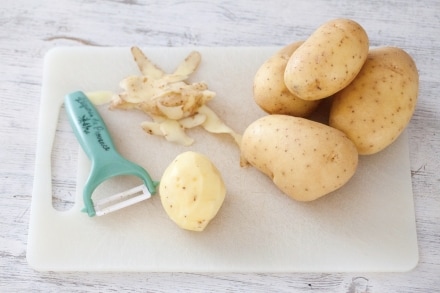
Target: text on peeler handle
{"points": [[90, 123]]}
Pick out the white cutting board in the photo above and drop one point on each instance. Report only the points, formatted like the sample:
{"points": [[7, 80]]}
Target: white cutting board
{"points": [[368, 225]]}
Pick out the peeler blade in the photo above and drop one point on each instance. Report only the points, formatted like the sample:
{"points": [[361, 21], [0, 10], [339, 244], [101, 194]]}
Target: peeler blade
{"points": [[121, 200]]}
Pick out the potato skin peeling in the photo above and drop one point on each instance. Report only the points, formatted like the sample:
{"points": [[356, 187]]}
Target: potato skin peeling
{"points": [[192, 191], [305, 159], [173, 104]]}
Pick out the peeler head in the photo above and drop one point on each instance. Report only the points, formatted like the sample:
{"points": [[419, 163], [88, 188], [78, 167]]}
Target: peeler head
{"points": [[120, 167], [121, 200]]}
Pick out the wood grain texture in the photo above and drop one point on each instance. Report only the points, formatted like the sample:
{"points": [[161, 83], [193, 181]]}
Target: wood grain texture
{"points": [[28, 29]]}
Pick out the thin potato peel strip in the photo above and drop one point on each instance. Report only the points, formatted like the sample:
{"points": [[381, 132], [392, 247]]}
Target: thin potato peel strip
{"points": [[173, 104], [145, 66]]}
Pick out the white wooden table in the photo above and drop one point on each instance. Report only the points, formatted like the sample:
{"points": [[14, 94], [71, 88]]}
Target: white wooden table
{"points": [[28, 29]]}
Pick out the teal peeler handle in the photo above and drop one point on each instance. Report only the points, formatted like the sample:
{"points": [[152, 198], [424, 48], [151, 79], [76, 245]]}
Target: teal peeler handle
{"points": [[94, 138]]}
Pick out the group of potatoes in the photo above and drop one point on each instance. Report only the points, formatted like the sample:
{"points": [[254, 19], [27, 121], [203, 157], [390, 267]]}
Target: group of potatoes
{"points": [[372, 92]]}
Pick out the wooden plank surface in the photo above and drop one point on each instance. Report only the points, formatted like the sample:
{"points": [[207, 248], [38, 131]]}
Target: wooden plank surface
{"points": [[30, 28]]}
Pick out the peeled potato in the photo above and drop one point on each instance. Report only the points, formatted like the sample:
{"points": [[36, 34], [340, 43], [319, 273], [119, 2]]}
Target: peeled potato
{"points": [[305, 159], [377, 106], [270, 92], [192, 191]]}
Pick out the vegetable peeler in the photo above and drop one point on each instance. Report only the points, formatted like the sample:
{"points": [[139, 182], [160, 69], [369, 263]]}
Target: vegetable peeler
{"points": [[106, 162]]}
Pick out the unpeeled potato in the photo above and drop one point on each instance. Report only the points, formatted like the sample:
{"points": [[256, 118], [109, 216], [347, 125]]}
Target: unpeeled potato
{"points": [[328, 60], [270, 91], [377, 106], [305, 159]]}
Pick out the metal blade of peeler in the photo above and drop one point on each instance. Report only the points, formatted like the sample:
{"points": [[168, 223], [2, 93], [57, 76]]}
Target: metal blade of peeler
{"points": [[122, 200]]}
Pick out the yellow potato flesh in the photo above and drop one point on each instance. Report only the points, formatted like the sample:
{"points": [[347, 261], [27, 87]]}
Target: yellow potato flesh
{"points": [[192, 191]]}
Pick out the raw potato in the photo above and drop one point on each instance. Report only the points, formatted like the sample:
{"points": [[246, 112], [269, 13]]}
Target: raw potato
{"points": [[270, 92], [192, 191], [377, 106], [328, 60], [305, 159]]}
